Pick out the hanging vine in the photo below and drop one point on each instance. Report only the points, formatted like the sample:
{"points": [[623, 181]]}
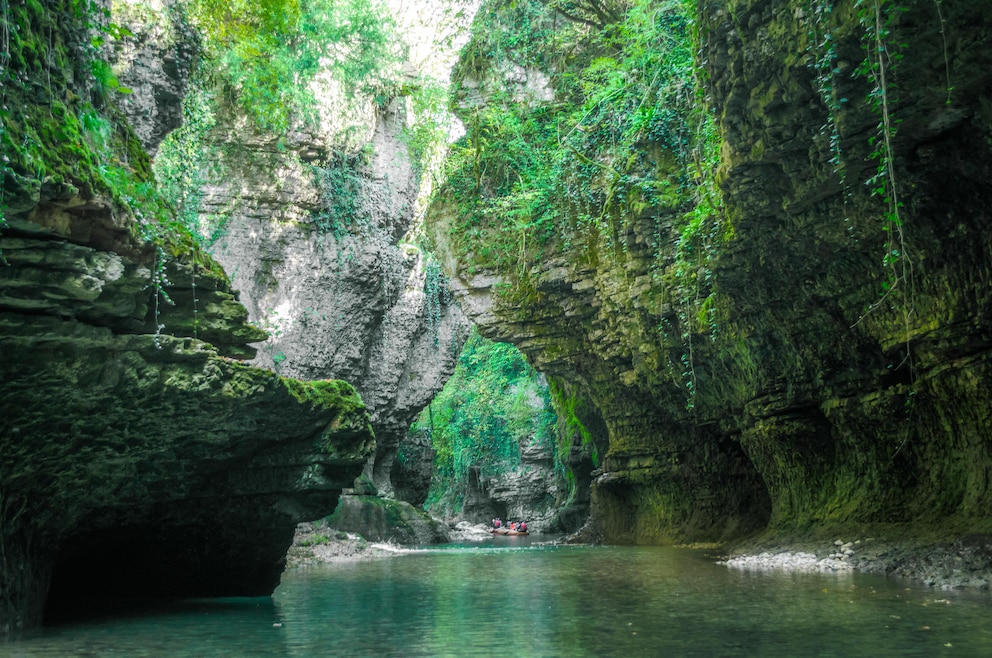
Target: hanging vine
{"points": [[877, 18]]}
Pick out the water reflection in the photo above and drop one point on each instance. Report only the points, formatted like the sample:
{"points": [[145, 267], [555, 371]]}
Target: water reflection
{"points": [[524, 599]]}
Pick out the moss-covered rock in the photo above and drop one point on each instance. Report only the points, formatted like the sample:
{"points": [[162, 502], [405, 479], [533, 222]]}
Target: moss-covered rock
{"points": [[381, 519], [804, 355], [137, 457]]}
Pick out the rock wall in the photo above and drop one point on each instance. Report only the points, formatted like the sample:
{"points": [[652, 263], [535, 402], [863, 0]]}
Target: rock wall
{"points": [[381, 520], [532, 492], [413, 469], [139, 456], [820, 401], [355, 303], [155, 63], [312, 226], [867, 405], [141, 463]]}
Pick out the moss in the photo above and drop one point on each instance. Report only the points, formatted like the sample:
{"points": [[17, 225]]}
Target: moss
{"points": [[325, 394], [56, 143]]}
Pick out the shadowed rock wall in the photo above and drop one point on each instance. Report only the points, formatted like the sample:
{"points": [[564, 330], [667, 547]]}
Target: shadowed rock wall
{"points": [[138, 456], [808, 413], [854, 415], [144, 464]]}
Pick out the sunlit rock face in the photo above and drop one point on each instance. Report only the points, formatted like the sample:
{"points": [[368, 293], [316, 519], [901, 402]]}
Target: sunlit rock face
{"points": [[819, 399], [357, 305], [313, 230]]}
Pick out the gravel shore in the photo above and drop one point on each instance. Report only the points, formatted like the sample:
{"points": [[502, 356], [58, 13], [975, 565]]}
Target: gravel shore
{"points": [[314, 544], [965, 563]]}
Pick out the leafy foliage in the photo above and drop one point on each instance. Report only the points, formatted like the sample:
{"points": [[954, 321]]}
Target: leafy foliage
{"points": [[182, 156], [437, 296], [59, 129], [619, 132], [268, 52], [62, 135], [493, 403], [877, 17], [267, 59]]}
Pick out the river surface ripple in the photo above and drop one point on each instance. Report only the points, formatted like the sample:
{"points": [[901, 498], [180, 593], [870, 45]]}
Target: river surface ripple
{"points": [[516, 597]]}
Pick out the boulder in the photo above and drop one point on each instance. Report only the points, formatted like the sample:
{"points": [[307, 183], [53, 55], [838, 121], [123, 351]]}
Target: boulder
{"points": [[383, 520]]}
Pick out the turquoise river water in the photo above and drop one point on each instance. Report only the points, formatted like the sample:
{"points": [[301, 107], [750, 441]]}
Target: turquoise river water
{"points": [[514, 597]]}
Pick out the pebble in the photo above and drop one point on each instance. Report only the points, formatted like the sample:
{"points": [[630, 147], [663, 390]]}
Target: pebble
{"points": [[950, 566], [789, 561]]}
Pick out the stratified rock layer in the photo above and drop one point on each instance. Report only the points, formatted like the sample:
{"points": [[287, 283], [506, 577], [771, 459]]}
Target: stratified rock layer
{"points": [[531, 491], [140, 464], [862, 406], [340, 293], [807, 412], [138, 457]]}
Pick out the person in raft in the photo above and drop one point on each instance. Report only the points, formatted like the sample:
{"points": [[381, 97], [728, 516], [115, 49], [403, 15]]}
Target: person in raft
{"points": [[522, 526], [497, 523]]}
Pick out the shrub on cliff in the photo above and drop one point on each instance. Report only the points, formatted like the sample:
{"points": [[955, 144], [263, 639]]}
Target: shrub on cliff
{"points": [[493, 403]]}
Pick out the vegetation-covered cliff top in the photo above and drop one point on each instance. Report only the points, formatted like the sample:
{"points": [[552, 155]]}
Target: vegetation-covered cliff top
{"points": [[749, 236]]}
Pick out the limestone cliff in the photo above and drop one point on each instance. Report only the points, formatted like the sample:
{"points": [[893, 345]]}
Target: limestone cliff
{"points": [[312, 226], [355, 303], [138, 455], [531, 491], [815, 356], [154, 62]]}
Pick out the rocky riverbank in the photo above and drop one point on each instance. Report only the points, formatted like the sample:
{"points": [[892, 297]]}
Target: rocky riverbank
{"points": [[316, 543], [964, 563]]}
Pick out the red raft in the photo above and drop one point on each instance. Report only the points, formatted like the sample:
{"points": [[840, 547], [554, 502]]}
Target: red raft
{"points": [[507, 531]]}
